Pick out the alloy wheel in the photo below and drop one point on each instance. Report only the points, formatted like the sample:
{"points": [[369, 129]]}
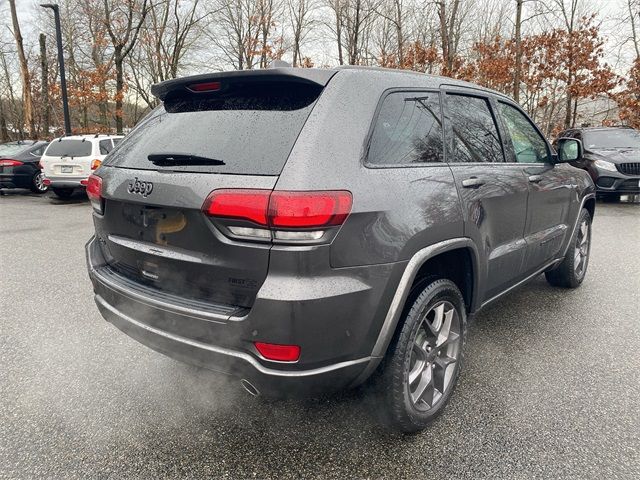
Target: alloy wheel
{"points": [[38, 181], [581, 251], [434, 356]]}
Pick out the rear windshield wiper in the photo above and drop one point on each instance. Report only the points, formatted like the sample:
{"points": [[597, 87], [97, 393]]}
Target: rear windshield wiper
{"points": [[172, 159]]}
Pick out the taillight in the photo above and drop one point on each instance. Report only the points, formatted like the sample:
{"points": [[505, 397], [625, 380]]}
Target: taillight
{"points": [[281, 215], [94, 192], [95, 164], [8, 162], [47, 182], [279, 353]]}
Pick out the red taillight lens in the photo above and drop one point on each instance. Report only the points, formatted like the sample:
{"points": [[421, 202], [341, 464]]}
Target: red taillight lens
{"points": [[205, 87], [241, 204], [309, 209], [289, 210], [94, 192], [46, 181], [8, 162], [279, 353]]}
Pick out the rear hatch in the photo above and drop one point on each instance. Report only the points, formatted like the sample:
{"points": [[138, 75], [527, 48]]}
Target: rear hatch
{"points": [[68, 157], [221, 131]]}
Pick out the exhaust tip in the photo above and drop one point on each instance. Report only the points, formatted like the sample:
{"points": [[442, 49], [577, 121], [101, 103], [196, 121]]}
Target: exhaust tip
{"points": [[249, 387]]}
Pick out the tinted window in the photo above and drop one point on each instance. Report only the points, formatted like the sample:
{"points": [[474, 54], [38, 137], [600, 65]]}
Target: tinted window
{"points": [[38, 151], [408, 130], [620, 138], [12, 148], [528, 144], [69, 148], [105, 146], [474, 135], [116, 141], [248, 130]]}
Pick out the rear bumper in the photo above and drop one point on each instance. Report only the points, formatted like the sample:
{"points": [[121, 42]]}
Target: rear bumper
{"points": [[66, 182], [221, 338]]}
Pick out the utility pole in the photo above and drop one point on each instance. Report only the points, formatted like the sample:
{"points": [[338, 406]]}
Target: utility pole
{"points": [[63, 80]]}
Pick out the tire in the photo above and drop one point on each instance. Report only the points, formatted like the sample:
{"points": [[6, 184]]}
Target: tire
{"points": [[572, 270], [424, 356], [36, 183], [63, 193]]}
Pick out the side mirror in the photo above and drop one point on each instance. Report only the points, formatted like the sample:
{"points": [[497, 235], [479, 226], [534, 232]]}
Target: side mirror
{"points": [[569, 150]]}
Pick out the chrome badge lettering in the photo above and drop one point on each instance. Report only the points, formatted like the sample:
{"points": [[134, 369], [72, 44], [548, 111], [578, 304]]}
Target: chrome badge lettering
{"points": [[139, 187]]}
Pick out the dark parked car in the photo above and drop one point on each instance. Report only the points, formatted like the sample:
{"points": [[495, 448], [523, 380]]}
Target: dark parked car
{"points": [[612, 158], [306, 230], [19, 165]]}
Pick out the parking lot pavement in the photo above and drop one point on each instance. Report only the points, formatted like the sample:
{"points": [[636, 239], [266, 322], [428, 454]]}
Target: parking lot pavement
{"points": [[550, 388]]}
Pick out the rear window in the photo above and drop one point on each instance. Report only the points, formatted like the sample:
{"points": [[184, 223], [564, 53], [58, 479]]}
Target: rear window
{"points": [[249, 129], [13, 148], [69, 148]]}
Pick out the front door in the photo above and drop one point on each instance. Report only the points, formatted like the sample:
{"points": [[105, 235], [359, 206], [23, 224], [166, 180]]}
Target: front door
{"points": [[550, 187], [493, 193]]}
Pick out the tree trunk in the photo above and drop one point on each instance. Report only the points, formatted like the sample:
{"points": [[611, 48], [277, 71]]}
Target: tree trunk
{"points": [[4, 133], [518, 66], [444, 36], [24, 71], [339, 33], [44, 69], [118, 62]]}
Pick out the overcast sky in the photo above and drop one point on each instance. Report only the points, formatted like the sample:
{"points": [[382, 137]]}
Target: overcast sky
{"points": [[323, 51]]}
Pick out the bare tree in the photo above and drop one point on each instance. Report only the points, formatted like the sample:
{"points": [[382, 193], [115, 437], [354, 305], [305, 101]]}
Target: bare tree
{"points": [[300, 15], [123, 21], [24, 70], [166, 37]]}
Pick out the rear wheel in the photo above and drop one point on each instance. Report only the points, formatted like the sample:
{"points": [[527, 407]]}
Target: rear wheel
{"points": [[37, 183], [63, 193], [424, 359], [571, 272]]}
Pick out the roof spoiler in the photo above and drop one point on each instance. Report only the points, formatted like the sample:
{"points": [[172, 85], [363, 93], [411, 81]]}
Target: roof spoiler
{"points": [[185, 85]]}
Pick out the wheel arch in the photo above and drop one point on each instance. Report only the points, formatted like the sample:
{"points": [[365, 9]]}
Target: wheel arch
{"points": [[424, 263]]}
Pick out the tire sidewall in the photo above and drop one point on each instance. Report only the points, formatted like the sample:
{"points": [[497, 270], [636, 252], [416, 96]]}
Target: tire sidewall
{"points": [[410, 418], [584, 214]]}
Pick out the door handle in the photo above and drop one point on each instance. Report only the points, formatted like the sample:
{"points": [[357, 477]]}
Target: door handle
{"points": [[535, 178], [473, 182]]}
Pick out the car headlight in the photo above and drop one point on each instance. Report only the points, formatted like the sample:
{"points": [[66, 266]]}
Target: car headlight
{"points": [[604, 165]]}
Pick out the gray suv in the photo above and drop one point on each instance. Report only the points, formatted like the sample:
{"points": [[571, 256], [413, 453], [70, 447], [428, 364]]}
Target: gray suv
{"points": [[307, 230]]}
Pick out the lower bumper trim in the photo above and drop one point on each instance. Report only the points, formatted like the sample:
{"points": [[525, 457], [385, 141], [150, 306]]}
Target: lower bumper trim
{"points": [[163, 339]]}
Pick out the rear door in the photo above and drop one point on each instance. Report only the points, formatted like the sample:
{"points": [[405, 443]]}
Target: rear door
{"points": [[231, 133], [493, 193], [550, 187]]}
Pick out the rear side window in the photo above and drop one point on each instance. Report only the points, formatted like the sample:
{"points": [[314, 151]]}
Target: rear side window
{"points": [[249, 129], [69, 148], [408, 130], [105, 146], [473, 134]]}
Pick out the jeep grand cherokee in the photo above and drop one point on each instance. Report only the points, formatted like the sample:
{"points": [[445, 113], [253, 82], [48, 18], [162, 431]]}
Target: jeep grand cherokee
{"points": [[306, 230]]}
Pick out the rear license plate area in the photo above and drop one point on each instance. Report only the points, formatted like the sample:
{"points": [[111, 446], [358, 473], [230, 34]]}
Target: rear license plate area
{"points": [[66, 169]]}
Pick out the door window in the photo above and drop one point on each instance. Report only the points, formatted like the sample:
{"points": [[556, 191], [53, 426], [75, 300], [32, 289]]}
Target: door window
{"points": [[105, 146], [528, 145], [474, 134], [408, 130]]}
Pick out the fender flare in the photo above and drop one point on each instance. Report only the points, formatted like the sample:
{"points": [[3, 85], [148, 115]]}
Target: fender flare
{"points": [[402, 292]]}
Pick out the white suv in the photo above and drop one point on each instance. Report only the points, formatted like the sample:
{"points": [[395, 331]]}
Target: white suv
{"points": [[68, 161]]}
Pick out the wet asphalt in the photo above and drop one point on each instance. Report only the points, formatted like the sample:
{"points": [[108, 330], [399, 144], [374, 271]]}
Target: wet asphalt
{"points": [[550, 387]]}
